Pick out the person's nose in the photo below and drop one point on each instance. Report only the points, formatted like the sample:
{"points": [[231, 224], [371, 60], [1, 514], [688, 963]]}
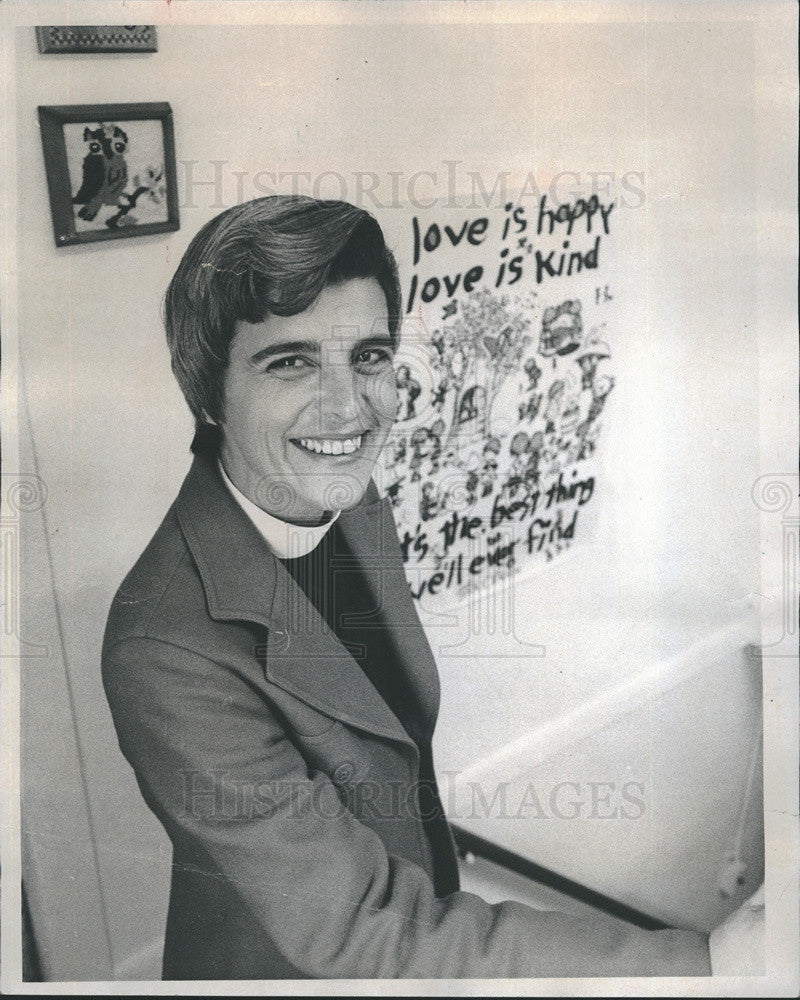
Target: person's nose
{"points": [[343, 403]]}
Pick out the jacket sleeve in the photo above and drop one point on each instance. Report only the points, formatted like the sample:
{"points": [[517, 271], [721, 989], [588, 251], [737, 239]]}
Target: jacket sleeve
{"points": [[219, 771]]}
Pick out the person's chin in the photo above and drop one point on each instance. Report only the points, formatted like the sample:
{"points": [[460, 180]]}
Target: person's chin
{"points": [[330, 486], [344, 489]]}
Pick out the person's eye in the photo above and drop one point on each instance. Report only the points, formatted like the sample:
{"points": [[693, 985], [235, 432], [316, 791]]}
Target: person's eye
{"points": [[289, 367], [373, 359]]}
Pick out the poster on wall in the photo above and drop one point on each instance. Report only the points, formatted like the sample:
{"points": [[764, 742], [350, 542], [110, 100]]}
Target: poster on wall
{"points": [[504, 372]]}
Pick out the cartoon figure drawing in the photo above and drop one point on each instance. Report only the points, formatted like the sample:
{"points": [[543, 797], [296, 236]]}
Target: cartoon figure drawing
{"points": [[498, 346], [518, 449], [429, 505], [471, 487], [588, 359], [437, 343], [562, 328], [418, 452], [105, 171], [534, 373], [408, 390], [395, 452], [555, 402], [439, 393], [570, 415], [601, 390], [472, 404], [588, 428], [529, 409], [551, 457], [488, 474], [393, 491], [534, 457], [435, 436]]}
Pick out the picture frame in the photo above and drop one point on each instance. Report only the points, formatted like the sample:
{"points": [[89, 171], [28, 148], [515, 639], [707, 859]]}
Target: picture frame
{"points": [[110, 170], [72, 39]]}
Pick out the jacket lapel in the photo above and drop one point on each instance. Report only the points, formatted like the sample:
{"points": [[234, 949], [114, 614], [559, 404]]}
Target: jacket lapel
{"points": [[371, 535], [244, 581]]}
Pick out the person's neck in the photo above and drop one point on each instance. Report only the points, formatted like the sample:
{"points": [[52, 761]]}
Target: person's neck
{"points": [[288, 539]]}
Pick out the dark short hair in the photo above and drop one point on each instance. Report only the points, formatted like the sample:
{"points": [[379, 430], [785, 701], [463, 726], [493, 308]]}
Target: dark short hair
{"points": [[269, 256]]}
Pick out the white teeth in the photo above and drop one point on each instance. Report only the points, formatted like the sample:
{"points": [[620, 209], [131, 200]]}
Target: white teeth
{"points": [[331, 446], [351, 445]]}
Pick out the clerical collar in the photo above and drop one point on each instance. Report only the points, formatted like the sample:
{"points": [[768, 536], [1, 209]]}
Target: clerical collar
{"points": [[287, 540]]}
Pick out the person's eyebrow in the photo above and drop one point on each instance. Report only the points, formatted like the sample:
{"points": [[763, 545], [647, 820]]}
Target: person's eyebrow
{"points": [[285, 347]]}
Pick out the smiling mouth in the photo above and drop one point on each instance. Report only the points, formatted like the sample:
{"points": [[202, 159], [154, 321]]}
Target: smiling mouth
{"points": [[331, 446]]}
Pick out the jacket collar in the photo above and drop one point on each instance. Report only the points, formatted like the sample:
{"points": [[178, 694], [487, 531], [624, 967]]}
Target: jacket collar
{"points": [[287, 540], [244, 581]]}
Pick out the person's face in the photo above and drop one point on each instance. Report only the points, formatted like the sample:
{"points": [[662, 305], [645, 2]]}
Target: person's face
{"points": [[308, 403]]}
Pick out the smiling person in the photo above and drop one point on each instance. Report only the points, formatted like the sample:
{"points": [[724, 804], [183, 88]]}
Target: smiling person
{"points": [[309, 401], [269, 679]]}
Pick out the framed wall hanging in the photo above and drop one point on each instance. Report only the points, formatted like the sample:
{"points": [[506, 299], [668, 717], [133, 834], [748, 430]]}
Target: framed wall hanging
{"points": [[71, 39], [110, 170]]}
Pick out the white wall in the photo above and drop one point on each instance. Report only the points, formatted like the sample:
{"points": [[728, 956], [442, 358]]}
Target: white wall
{"points": [[679, 534]]}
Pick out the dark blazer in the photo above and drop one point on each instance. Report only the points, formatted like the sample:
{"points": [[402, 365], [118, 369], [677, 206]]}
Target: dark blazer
{"points": [[286, 784]]}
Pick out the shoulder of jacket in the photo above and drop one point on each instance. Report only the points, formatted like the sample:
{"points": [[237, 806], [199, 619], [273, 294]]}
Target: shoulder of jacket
{"points": [[149, 581]]}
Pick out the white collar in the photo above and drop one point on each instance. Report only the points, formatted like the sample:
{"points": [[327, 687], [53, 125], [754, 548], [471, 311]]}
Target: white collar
{"points": [[287, 540]]}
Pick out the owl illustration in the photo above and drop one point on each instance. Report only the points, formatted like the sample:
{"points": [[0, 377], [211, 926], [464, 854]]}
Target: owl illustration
{"points": [[105, 171]]}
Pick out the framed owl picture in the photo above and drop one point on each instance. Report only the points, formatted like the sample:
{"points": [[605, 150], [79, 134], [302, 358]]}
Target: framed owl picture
{"points": [[110, 170]]}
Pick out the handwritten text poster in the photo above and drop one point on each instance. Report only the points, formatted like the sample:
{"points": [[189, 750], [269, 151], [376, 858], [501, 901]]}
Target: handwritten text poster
{"points": [[504, 372]]}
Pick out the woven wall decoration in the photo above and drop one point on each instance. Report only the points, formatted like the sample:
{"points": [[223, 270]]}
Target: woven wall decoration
{"points": [[74, 38]]}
